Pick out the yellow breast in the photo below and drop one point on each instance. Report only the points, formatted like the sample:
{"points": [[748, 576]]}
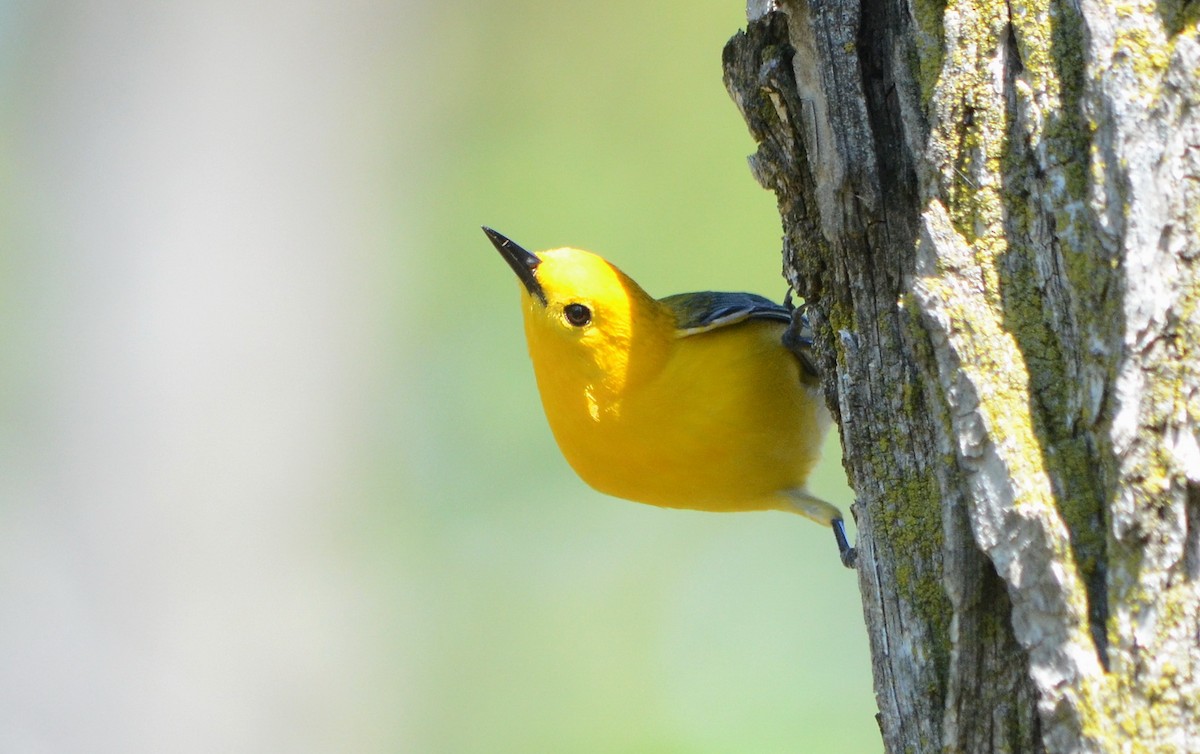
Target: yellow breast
{"points": [[709, 422]]}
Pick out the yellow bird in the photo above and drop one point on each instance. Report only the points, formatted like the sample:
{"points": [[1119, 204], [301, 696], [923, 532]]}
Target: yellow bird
{"points": [[689, 401]]}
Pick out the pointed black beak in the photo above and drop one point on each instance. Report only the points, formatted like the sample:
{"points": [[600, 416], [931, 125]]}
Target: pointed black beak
{"points": [[522, 262]]}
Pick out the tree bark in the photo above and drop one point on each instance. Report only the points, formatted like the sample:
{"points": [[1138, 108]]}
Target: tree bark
{"points": [[993, 213]]}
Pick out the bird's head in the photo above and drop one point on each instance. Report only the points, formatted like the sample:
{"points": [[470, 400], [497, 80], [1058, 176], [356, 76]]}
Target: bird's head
{"points": [[583, 313]]}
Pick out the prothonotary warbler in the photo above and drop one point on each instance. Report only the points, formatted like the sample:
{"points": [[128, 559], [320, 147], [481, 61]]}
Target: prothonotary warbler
{"points": [[689, 401]]}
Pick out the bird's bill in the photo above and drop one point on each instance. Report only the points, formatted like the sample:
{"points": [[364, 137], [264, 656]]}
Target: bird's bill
{"points": [[522, 262]]}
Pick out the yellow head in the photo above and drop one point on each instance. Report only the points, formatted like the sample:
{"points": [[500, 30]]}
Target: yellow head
{"points": [[585, 320]]}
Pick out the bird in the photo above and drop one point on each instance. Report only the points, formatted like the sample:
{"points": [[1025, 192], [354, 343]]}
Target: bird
{"points": [[690, 401]]}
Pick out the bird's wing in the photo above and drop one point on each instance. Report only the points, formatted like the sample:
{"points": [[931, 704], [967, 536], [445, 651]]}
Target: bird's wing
{"points": [[697, 313]]}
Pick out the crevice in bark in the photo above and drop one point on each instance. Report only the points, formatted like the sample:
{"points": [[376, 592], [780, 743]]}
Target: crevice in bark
{"points": [[886, 58]]}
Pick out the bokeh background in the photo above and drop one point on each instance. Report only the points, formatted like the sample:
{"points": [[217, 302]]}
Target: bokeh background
{"points": [[273, 471]]}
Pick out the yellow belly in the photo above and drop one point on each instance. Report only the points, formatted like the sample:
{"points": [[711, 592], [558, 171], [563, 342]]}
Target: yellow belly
{"points": [[726, 425]]}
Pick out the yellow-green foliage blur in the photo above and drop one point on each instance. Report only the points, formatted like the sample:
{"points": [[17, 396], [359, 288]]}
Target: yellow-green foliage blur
{"points": [[273, 470]]}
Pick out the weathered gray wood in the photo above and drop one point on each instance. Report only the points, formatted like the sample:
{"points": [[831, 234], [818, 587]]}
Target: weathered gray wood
{"points": [[993, 212]]}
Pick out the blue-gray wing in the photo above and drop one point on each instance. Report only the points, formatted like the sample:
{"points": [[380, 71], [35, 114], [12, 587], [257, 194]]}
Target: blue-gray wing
{"points": [[707, 310], [697, 313]]}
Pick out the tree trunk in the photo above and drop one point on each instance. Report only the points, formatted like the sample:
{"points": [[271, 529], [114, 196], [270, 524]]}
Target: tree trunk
{"points": [[993, 212]]}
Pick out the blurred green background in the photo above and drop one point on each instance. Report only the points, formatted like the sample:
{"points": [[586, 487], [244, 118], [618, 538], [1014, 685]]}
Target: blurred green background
{"points": [[273, 471]]}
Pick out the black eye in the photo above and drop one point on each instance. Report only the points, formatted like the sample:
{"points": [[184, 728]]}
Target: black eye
{"points": [[577, 314]]}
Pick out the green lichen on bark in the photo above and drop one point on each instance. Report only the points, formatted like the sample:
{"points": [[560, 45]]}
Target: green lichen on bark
{"points": [[1014, 183], [1140, 44], [990, 405], [1004, 158], [930, 44], [1159, 607]]}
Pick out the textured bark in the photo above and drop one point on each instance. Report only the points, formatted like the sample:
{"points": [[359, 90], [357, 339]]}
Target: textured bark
{"points": [[993, 212]]}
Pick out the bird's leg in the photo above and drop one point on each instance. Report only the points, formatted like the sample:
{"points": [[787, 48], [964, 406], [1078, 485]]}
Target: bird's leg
{"points": [[822, 512], [849, 554]]}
